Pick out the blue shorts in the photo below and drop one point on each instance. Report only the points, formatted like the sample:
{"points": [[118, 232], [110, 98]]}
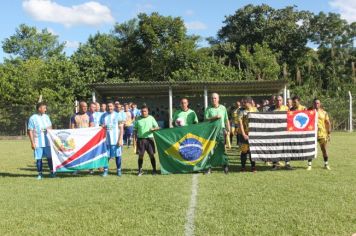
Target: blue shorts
{"points": [[42, 152], [128, 130], [114, 151]]}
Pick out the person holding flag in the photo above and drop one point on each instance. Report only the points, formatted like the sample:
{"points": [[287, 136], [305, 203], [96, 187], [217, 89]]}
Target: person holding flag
{"points": [[214, 112], [296, 104], [38, 125], [184, 116], [144, 126], [82, 119], [244, 145], [113, 122], [324, 130], [279, 107]]}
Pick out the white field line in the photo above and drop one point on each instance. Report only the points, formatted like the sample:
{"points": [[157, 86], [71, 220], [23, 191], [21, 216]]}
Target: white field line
{"points": [[189, 224]]}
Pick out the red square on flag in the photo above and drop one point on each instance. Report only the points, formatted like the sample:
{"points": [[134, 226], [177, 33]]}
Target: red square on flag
{"points": [[301, 120]]}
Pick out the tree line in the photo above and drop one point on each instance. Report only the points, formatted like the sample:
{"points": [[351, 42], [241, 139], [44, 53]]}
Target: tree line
{"points": [[314, 52]]}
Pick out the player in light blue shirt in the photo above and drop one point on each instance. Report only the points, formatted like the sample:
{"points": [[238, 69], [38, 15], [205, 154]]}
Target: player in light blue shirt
{"points": [[113, 122], [38, 124], [94, 110]]}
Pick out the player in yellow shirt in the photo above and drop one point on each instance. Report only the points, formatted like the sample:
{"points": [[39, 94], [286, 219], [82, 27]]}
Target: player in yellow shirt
{"points": [[296, 104], [235, 120], [245, 148], [324, 130]]}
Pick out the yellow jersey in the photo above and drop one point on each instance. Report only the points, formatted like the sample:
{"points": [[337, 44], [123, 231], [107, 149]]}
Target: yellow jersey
{"points": [[298, 108], [282, 108], [244, 117], [323, 117]]}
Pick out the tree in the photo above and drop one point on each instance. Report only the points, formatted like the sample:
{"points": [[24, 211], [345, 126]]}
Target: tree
{"points": [[285, 30], [154, 46], [28, 43], [259, 62]]}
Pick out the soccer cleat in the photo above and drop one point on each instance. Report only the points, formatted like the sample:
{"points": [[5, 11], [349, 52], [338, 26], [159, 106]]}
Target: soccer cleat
{"points": [[275, 167], [326, 167], [105, 174], [119, 172], [253, 169], [226, 170], [154, 172], [91, 172], [39, 177], [309, 168], [140, 172], [243, 169], [52, 175], [208, 172]]}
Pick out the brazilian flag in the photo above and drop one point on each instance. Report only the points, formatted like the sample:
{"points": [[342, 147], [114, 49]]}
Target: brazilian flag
{"points": [[191, 148]]}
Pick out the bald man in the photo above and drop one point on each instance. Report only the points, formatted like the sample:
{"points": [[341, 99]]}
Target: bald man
{"points": [[216, 111]]}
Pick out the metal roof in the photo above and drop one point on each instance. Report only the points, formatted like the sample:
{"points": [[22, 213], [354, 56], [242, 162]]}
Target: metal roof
{"points": [[159, 88]]}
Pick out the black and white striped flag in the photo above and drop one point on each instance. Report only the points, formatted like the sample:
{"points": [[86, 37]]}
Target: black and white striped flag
{"points": [[283, 136]]}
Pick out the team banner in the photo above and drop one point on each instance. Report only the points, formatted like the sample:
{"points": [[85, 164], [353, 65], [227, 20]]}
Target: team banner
{"points": [[283, 136], [190, 148], [78, 149]]}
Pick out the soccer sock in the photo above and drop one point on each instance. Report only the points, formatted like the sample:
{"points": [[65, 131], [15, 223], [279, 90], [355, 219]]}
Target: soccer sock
{"points": [[106, 168], [326, 160], [243, 159], [153, 162], [39, 166], [253, 163], [118, 162], [140, 162], [50, 164]]}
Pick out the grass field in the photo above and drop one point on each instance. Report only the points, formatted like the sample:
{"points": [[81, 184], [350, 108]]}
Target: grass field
{"points": [[296, 202]]}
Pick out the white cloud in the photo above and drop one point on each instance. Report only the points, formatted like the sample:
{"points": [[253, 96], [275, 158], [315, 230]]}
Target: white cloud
{"points": [[346, 8], [72, 44], [195, 25], [50, 30], [89, 13], [189, 12], [144, 8]]}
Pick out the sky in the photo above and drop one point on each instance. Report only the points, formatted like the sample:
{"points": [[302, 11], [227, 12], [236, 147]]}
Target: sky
{"points": [[74, 21]]}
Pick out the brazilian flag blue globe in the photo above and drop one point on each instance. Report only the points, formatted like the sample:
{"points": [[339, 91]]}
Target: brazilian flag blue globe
{"points": [[191, 148]]}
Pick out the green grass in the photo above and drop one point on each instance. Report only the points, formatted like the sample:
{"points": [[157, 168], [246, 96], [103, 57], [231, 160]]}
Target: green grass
{"points": [[282, 202]]}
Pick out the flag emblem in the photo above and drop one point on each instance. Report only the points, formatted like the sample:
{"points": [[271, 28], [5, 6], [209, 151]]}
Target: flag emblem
{"points": [[300, 120], [191, 148]]}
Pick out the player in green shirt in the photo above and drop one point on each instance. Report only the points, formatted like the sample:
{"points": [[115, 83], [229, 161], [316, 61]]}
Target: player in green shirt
{"points": [[143, 128], [217, 111], [184, 116]]}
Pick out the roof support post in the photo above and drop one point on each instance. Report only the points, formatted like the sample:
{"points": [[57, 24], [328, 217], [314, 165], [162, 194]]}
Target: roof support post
{"points": [[93, 96], [205, 97], [350, 112], [285, 95], [170, 94]]}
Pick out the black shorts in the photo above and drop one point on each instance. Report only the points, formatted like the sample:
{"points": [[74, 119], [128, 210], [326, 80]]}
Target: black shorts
{"points": [[145, 144]]}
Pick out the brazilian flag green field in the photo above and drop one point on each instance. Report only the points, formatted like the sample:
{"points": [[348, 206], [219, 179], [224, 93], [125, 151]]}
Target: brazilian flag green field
{"points": [[190, 148]]}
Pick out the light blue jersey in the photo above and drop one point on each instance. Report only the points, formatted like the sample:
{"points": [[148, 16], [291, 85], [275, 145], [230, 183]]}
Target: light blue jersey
{"points": [[97, 115], [39, 124], [111, 122]]}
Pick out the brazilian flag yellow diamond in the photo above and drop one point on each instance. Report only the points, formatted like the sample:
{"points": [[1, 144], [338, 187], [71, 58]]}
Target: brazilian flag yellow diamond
{"points": [[191, 149]]}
